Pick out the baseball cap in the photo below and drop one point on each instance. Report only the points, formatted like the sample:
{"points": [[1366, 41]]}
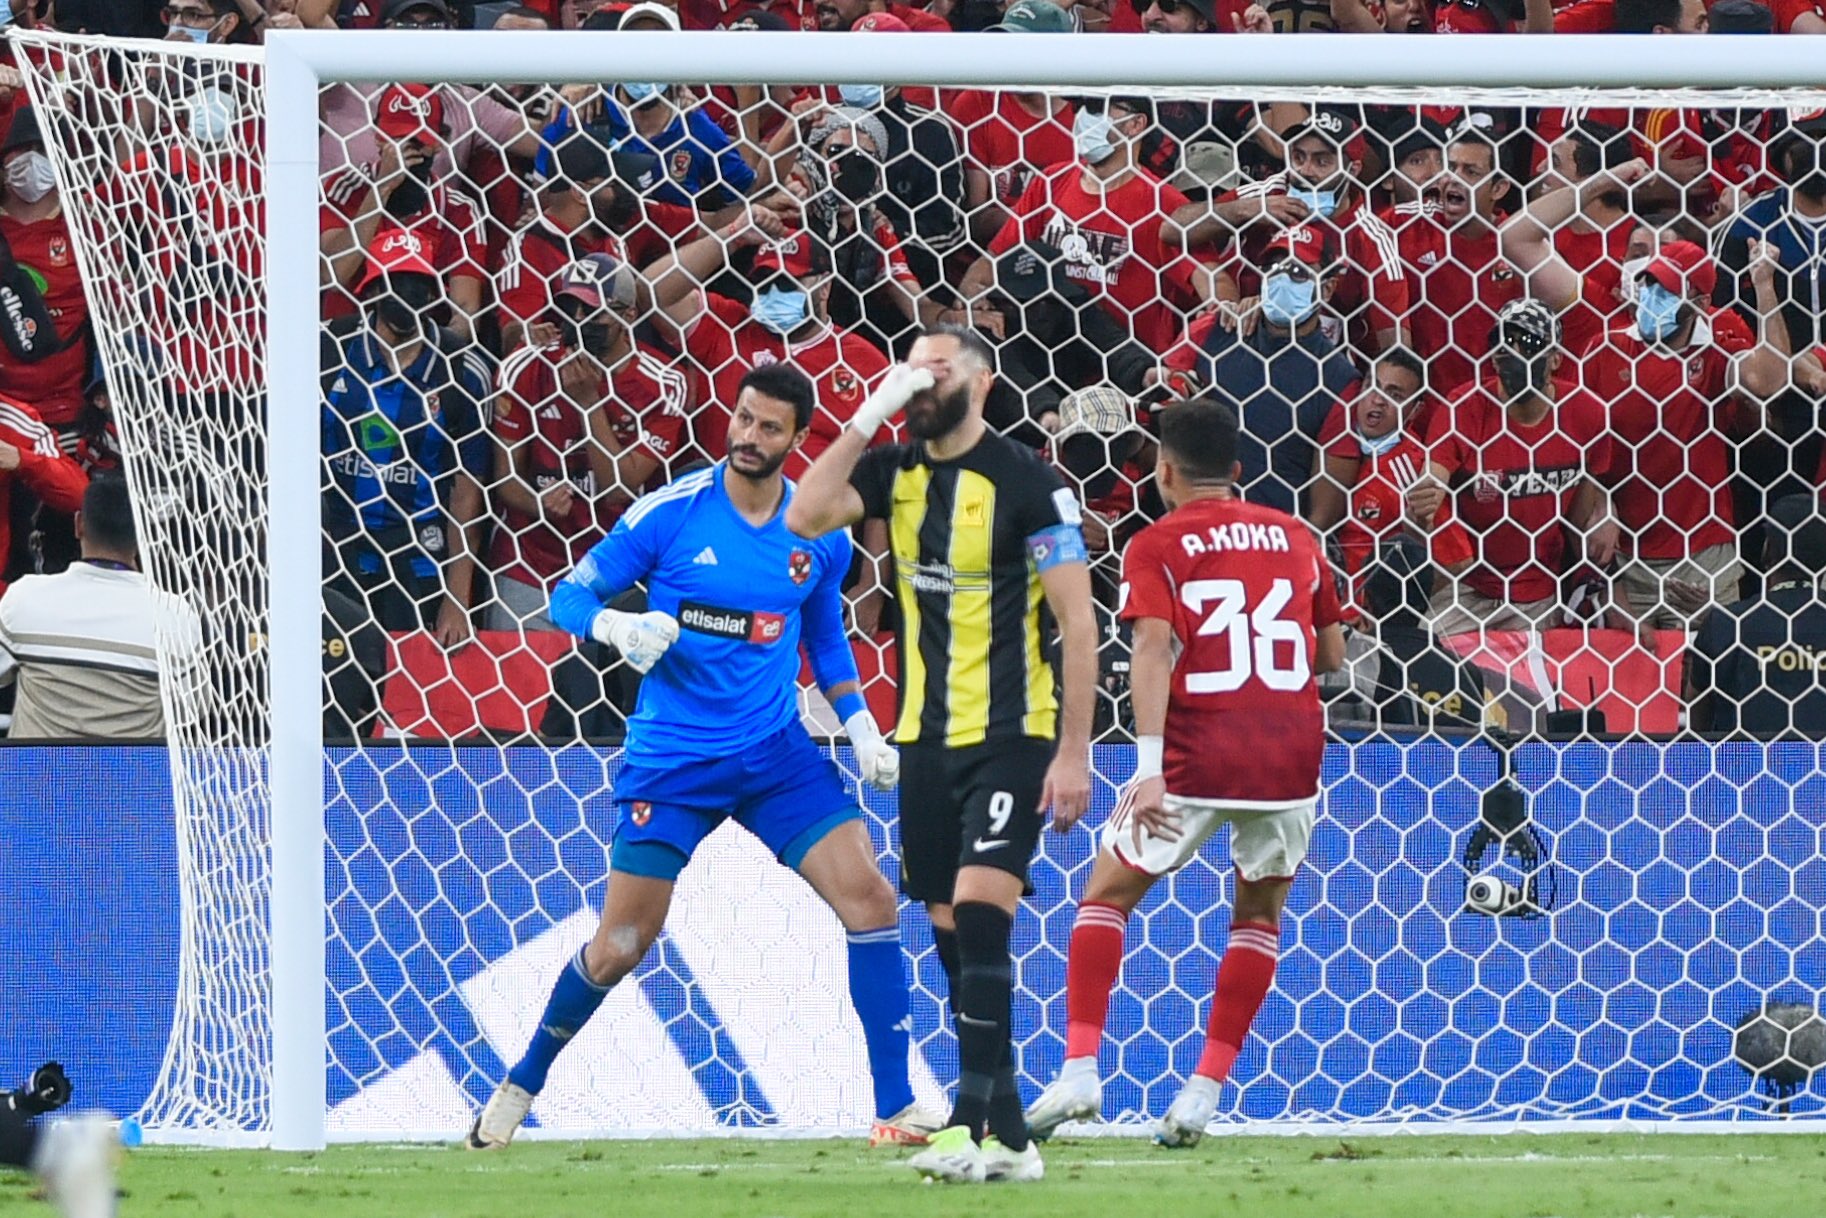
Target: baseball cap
{"points": [[1101, 410], [799, 256], [1682, 265], [396, 251], [1740, 17], [1034, 17], [1312, 246], [408, 111], [1527, 325], [1808, 122], [649, 11], [24, 132], [638, 171], [580, 159], [601, 279], [396, 9], [880, 23], [1339, 130], [1427, 133]]}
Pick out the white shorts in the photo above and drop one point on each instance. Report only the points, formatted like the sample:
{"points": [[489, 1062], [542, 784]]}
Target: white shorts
{"points": [[1266, 844]]}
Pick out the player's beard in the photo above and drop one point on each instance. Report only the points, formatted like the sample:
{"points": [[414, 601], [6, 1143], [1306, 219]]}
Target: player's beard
{"points": [[931, 414], [769, 465]]}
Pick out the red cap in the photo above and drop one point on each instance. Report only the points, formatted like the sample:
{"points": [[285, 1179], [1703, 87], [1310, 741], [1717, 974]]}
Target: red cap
{"points": [[398, 251], [796, 256], [1306, 243], [880, 23], [1682, 267], [411, 111]]}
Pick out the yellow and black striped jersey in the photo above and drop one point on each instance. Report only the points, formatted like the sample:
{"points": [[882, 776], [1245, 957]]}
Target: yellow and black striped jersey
{"points": [[969, 539]]}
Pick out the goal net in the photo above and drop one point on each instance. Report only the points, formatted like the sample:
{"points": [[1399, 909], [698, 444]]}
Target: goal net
{"points": [[1540, 593]]}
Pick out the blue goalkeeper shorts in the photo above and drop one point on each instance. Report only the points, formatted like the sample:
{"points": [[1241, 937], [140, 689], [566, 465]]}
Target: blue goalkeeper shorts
{"points": [[785, 791]]}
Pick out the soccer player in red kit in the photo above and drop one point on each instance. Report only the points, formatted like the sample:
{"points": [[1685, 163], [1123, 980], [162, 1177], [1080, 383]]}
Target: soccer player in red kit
{"points": [[1234, 610]]}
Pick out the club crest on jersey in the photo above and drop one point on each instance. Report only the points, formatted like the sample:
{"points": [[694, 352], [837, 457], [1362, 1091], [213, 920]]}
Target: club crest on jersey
{"points": [[640, 811], [1696, 367], [799, 566], [764, 358], [59, 250], [681, 165], [844, 383], [1370, 511]]}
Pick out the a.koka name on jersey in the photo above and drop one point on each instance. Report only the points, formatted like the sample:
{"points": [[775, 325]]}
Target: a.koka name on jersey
{"points": [[749, 626], [1238, 535]]}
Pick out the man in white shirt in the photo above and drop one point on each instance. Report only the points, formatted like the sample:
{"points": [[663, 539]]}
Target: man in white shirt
{"points": [[81, 644]]}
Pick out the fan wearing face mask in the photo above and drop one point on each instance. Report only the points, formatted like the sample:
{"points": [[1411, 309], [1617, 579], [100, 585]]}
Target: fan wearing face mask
{"points": [[785, 320], [1521, 456], [1108, 218], [401, 192], [406, 448], [585, 424], [45, 364], [1685, 384], [1321, 186]]}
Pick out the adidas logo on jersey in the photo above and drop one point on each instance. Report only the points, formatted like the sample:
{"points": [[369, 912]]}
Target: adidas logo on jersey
{"points": [[705, 558], [1429, 258]]}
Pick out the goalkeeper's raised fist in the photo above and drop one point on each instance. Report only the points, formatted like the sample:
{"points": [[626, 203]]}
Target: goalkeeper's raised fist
{"points": [[641, 638], [890, 398], [876, 759]]}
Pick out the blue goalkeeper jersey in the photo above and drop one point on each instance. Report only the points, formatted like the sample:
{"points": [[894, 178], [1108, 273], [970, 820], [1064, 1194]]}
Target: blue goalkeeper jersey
{"points": [[742, 596]]}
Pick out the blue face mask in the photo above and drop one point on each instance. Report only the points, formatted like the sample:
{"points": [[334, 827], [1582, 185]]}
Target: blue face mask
{"points": [[1287, 301], [1380, 444], [642, 93], [194, 34], [863, 97], [780, 310], [1323, 202], [1657, 312], [1091, 136]]}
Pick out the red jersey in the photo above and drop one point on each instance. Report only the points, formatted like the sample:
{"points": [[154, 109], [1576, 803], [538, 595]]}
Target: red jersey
{"points": [[716, 14], [1787, 12], [1458, 284], [1597, 256], [53, 385], [43, 469], [650, 400], [1669, 415], [1007, 141], [450, 226], [1111, 244], [1375, 508], [538, 254], [1513, 484], [1246, 589], [843, 367], [1373, 291]]}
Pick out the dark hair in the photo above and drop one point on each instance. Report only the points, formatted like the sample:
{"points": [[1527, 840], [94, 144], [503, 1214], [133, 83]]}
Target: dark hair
{"points": [[1407, 361], [1796, 535], [1598, 146], [969, 338], [1642, 16], [1200, 435], [784, 383], [1741, 17], [107, 514]]}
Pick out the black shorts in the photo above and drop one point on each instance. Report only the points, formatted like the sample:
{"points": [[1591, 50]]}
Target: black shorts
{"points": [[968, 807]]}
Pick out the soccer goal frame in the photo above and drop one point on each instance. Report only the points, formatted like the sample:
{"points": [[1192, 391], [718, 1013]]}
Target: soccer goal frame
{"points": [[298, 63]]}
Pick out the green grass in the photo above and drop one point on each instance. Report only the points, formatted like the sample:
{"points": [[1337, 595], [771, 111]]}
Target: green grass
{"points": [[1536, 1176]]}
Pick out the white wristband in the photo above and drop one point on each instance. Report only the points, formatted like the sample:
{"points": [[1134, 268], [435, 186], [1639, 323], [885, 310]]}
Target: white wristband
{"points": [[1149, 752]]}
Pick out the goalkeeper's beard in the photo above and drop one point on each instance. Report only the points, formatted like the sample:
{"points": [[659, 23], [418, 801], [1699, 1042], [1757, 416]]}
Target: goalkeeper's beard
{"points": [[931, 414], [760, 466]]}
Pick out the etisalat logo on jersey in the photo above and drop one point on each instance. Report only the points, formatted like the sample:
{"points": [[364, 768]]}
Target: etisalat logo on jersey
{"points": [[748, 626]]}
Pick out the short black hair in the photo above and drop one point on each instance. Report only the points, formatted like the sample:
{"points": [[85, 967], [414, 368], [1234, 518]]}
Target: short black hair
{"points": [[1642, 16], [107, 514], [1598, 146], [1200, 435], [1796, 534], [969, 338], [1741, 17], [784, 383], [1407, 361]]}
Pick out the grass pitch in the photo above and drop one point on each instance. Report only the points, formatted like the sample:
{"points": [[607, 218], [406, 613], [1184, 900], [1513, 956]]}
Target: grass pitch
{"points": [[1514, 1176]]}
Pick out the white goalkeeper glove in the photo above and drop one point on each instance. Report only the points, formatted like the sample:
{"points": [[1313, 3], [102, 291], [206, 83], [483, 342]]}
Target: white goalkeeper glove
{"points": [[878, 760], [889, 399], [641, 638]]}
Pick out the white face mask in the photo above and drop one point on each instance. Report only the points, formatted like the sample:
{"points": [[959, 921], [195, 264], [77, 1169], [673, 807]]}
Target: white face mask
{"points": [[30, 176], [211, 116]]}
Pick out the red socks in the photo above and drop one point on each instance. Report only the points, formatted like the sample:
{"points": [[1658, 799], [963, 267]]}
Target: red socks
{"points": [[1243, 978], [1091, 965]]}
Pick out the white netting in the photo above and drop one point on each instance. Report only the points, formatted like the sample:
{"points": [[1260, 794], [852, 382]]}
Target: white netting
{"points": [[464, 868]]}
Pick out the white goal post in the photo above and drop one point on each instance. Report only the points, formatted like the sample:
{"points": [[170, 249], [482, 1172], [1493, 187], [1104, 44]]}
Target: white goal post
{"points": [[1562, 70]]}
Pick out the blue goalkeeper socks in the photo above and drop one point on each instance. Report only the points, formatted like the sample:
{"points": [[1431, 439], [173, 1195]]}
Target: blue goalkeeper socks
{"points": [[574, 999], [878, 991]]}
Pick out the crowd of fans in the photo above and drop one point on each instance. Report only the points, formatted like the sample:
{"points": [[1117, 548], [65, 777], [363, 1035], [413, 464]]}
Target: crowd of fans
{"points": [[1521, 367]]}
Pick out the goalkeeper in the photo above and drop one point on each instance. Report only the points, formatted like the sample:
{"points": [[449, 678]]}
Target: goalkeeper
{"points": [[716, 735]]}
